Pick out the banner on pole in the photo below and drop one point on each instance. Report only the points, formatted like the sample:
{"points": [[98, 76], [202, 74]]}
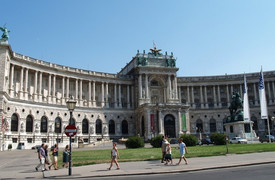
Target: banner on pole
{"points": [[246, 110], [262, 96]]}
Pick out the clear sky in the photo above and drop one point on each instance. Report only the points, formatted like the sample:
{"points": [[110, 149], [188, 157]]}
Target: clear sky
{"points": [[208, 37]]}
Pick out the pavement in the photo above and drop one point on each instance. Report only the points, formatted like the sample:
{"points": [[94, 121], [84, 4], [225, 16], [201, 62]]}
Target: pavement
{"points": [[156, 167]]}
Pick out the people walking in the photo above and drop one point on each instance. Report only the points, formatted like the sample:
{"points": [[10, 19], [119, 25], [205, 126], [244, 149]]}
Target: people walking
{"points": [[48, 158], [168, 155], [66, 153], [163, 148], [114, 156], [183, 150], [42, 158], [55, 156]]}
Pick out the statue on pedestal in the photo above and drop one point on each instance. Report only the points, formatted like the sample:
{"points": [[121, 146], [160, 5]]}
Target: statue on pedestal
{"points": [[235, 114], [5, 35]]}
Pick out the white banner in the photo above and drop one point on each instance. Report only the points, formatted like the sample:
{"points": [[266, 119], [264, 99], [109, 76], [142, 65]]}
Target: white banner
{"points": [[262, 96], [246, 111]]}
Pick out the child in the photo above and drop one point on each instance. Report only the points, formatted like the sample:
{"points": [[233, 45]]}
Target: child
{"points": [[114, 156], [66, 156], [183, 150], [168, 155]]}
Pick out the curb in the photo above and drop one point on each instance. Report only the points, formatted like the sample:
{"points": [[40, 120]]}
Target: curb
{"points": [[163, 172]]}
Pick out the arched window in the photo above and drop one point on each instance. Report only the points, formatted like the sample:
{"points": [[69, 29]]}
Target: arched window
{"points": [[29, 123], [112, 127], [44, 124], [85, 126], [98, 128], [199, 125], [14, 122], [57, 125], [213, 125], [124, 128]]}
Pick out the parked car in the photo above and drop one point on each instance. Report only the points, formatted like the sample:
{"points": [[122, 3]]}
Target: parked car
{"points": [[206, 141], [266, 138], [238, 140], [36, 147], [174, 141]]}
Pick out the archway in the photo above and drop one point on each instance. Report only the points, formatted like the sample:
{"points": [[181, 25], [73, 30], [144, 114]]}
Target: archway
{"points": [[169, 126]]}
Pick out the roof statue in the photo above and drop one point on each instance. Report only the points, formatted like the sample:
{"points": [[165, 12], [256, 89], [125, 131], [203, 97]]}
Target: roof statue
{"points": [[5, 35], [155, 51]]}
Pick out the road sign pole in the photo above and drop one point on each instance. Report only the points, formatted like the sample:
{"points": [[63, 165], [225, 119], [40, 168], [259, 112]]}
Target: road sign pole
{"points": [[70, 155]]}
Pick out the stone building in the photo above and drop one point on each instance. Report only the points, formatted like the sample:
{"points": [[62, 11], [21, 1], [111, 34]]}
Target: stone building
{"points": [[145, 98]]}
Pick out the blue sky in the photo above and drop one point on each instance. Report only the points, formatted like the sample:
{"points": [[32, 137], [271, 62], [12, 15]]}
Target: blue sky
{"points": [[208, 37]]}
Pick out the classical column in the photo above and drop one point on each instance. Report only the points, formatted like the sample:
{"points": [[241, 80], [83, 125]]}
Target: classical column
{"points": [[80, 92], [201, 97], [205, 97], [219, 96], [63, 90], [90, 94], [21, 83], [35, 85], [107, 95], [68, 89], [148, 130], [273, 88], [102, 94], [94, 101], [232, 90], [76, 90], [269, 100], [115, 95], [161, 123], [169, 87], [241, 91], [188, 96], [140, 86], [11, 80], [214, 94], [176, 87], [54, 89], [132, 97], [40, 87], [255, 95], [179, 122], [26, 93], [227, 95], [50, 88], [128, 97], [119, 96], [179, 93], [146, 87], [192, 97]]}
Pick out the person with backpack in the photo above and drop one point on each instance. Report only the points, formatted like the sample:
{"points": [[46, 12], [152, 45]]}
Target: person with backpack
{"points": [[42, 158]]}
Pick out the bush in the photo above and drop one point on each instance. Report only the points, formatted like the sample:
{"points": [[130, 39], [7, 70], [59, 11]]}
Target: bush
{"points": [[156, 141], [189, 140], [134, 142], [218, 139]]}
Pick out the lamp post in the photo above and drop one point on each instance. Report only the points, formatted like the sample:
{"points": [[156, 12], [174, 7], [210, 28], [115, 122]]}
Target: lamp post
{"points": [[71, 106]]}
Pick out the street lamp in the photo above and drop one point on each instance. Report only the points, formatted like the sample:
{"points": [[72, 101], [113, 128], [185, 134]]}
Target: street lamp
{"points": [[71, 106]]}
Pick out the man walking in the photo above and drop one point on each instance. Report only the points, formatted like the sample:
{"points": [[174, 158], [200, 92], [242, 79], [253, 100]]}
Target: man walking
{"points": [[183, 150], [42, 158], [163, 148]]}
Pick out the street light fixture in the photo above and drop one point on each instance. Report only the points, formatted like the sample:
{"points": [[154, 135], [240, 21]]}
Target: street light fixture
{"points": [[71, 106]]}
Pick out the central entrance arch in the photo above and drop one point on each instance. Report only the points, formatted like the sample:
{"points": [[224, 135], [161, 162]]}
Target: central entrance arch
{"points": [[169, 126]]}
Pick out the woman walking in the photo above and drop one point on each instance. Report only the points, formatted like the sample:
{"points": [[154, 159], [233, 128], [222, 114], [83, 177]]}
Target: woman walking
{"points": [[114, 156], [66, 157], [55, 156]]}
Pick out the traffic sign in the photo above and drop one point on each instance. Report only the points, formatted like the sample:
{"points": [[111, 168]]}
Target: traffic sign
{"points": [[70, 130]]}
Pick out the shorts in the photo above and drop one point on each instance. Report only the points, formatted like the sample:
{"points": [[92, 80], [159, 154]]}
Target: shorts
{"points": [[55, 158], [113, 157], [182, 155], [168, 156]]}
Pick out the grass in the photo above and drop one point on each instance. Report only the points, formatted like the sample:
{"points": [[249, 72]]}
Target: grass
{"points": [[80, 158]]}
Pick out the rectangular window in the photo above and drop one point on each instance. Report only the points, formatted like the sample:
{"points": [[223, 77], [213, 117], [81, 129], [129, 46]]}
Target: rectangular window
{"points": [[44, 140], [14, 140], [29, 140], [86, 140]]}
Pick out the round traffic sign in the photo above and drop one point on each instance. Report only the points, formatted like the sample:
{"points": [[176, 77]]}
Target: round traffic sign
{"points": [[70, 130]]}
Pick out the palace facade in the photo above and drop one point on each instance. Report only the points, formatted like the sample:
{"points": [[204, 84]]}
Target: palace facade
{"points": [[145, 98]]}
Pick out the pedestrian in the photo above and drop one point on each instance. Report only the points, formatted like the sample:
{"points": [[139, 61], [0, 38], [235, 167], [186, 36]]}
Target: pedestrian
{"points": [[41, 157], [114, 156], [48, 158], [55, 156], [183, 150], [163, 148], [168, 155], [66, 153]]}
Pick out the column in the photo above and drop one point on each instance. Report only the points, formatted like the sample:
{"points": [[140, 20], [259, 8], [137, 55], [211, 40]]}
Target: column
{"points": [[132, 97], [241, 91], [90, 94], [26, 84], [201, 97], [255, 95], [215, 98], [273, 89], [35, 85], [188, 96], [107, 95], [54, 89], [169, 87], [192, 97], [102, 94], [179, 94], [115, 95], [50, 88], [176, 87], [68, 89], [119, 96], [180, 122], [269, 100], [40, 87], [94, 101], [219, 96], [148, 130], [76, 90], [63, 91], [140, 86], [205, 97], [11, 81], [128, 97], [161, 123], [80, 93], [146, 87], [21, 83], [227, 95]]}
